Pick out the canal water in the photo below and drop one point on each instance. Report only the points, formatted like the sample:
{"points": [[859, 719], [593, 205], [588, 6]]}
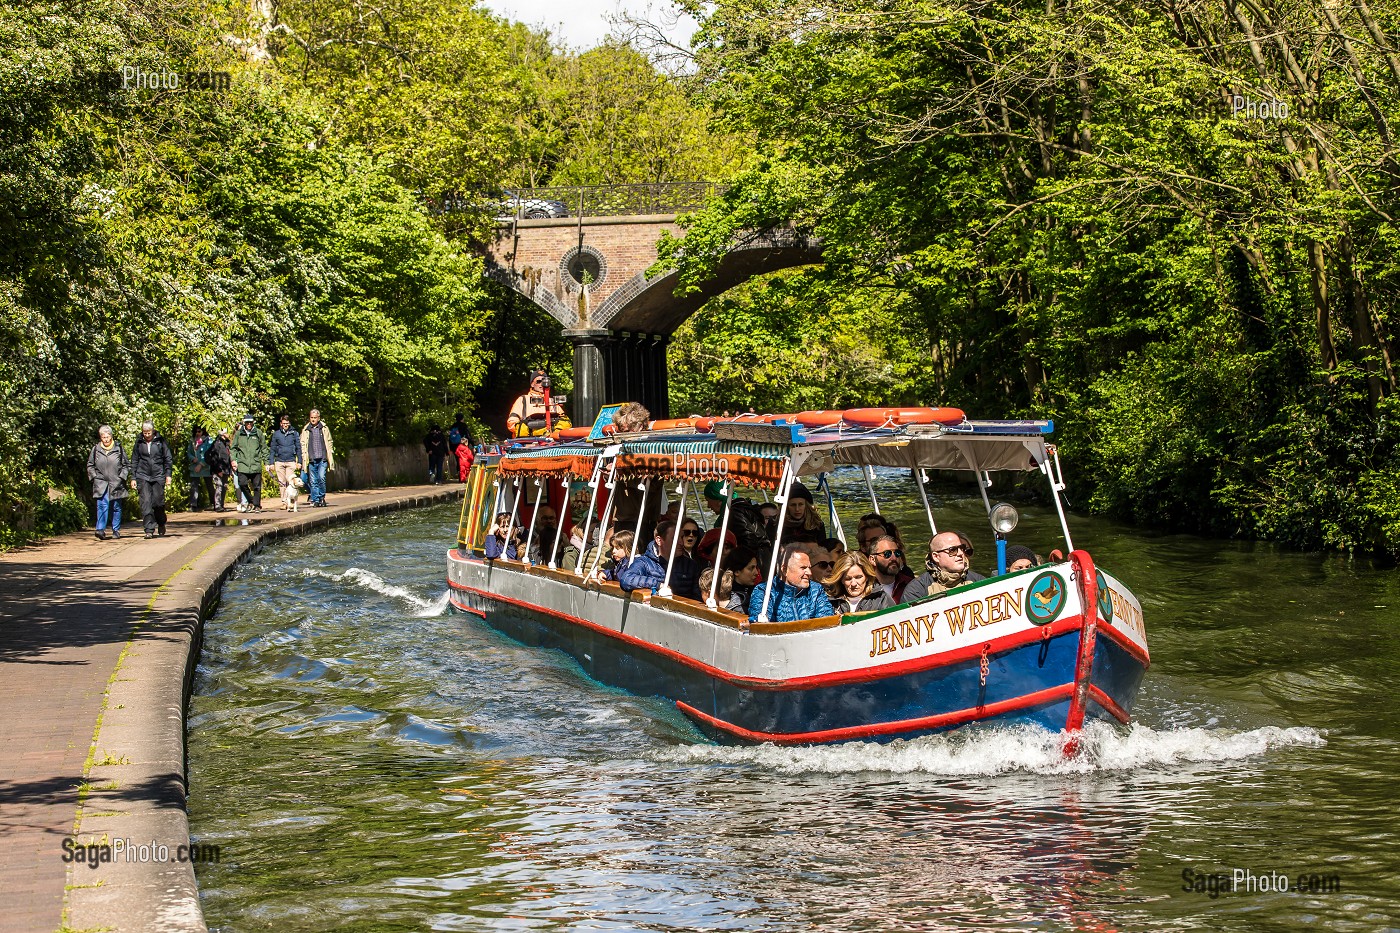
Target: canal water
{"points": [[368, 760]]}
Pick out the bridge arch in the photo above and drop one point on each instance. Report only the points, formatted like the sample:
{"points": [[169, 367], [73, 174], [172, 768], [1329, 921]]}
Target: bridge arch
{"points": [[587, 270]]}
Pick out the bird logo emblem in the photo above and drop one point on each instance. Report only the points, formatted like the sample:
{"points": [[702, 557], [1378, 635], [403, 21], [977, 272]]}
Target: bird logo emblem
{"points": [[1047, 598]]}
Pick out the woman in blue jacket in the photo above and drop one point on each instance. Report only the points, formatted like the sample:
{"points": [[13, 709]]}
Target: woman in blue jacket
{"points": [[795, 598]]}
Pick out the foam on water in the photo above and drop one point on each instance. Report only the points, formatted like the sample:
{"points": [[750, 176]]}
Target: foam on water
{"points": [[998, 750], [373, 581]]}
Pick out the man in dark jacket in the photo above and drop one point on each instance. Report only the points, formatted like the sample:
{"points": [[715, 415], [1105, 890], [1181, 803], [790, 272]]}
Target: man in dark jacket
{"points": [[648, 571], [220, 462], [249, 451], [435, 443], [284, 456], [151, 467]]}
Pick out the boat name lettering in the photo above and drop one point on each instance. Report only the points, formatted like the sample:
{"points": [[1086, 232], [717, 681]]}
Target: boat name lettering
{"points": [[902, 634], [995, 608], [1125, 614]]}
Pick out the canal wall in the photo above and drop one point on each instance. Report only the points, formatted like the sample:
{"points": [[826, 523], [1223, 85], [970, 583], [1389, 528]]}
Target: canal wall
{"points": [[135, 784]]}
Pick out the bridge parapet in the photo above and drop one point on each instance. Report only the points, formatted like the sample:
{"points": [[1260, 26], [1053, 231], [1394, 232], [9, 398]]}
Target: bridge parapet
{"points": [[668, 198]]}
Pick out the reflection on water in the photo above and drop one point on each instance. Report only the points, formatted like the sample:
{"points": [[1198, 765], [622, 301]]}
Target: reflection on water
{"points": [[368, 760]]}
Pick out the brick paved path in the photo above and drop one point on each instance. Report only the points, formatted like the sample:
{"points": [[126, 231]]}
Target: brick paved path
{"points": [[67, 611]]}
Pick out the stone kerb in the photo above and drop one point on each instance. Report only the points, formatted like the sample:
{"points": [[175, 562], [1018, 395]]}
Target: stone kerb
{"points": [[136, 784]]}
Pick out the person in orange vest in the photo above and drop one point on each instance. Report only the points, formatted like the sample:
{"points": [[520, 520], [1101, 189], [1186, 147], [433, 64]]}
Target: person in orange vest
{"points": [[535, 414]]}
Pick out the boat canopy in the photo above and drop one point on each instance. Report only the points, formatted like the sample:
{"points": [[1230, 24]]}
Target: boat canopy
{"points": [[754, 455]]}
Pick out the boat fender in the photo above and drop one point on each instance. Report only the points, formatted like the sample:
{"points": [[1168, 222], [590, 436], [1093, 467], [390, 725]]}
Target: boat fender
{"points": [[889, 417]]}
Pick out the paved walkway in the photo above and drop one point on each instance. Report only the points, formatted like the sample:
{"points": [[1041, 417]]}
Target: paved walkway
{"points": [[75, 613]]}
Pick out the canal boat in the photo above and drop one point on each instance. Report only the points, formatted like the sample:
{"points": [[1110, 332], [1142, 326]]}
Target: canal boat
{"points": [[1052, 645]]}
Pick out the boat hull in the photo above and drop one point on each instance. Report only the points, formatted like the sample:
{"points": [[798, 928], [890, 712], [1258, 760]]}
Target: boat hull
{"points": [[920, 670]]}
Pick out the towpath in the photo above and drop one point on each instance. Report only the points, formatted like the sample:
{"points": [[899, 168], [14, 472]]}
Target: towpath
{"points": [[98, 640]]}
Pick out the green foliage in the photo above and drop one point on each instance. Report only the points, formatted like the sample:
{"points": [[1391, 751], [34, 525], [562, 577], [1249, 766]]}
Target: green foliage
{"points": [[1067, 220]]}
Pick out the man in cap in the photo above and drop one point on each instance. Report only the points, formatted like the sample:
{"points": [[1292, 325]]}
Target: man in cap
{"points": [[151, 467], [249, 451], [535, 414]]}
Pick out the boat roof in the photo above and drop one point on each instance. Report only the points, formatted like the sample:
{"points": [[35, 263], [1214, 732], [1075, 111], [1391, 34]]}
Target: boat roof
{"points": [[753, 453]]}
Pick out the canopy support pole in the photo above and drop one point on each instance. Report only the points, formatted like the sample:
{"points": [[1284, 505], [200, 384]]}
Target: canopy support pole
{"points": [[984, 482], [719, 559], [534, 517], [699, 506], [1057, 486], [559, 532], [665, 589], [514, 511], [784, 484], [603, 525], [593, 482], [831, 509], [923, 494], [868, 472], [645, 487]]}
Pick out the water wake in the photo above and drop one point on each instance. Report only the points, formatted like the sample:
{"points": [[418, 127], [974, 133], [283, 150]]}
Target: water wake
{"points": [[373, 581], [1009, 749]]}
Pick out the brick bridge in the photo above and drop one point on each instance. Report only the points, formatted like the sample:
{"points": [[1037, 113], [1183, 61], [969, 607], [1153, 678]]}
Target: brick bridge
{"points": [[581, 254]]}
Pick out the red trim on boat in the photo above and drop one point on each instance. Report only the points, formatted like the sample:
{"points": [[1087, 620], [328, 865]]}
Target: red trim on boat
{"points": [[941, 720], [1107, 702], [1126, 643], [475, 612], [882, 672], [1084, 664]]}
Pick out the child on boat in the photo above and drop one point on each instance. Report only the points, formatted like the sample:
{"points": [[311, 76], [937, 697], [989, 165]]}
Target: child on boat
{"points": [[503, 541], [621, 554]]}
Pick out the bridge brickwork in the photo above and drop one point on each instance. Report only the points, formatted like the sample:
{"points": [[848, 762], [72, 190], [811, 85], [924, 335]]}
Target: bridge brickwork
{"points": [[589, 274]]}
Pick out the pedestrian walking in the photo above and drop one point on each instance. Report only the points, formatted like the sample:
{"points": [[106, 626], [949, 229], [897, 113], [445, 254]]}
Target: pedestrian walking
{"points": [[249, 450], [284, 456], [456, 437], [151, 467], [108, 469], [435, 443], [220, 461], [196, 454], [318, 453]]}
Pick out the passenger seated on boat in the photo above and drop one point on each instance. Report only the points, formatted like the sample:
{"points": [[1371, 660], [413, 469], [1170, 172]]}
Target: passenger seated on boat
{"points": [[835, 547], [620, 546], [887, 557], [705, 550], [872, 526], [972, 575], [802, 523], [593, 562], [822, 561], [690, 539], [852, 586], [726, 585], [648, 571], [947, 567], [503, 541], [795, 597], [1020, 557], [546, 532], [744, 566], [747, 522]]}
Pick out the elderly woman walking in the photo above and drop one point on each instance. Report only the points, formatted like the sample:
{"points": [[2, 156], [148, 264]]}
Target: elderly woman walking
{"points": [[108, 469]]}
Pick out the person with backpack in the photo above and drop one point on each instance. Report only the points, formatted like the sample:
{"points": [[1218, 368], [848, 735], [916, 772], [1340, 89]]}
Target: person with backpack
{"points": [[108, 469]]}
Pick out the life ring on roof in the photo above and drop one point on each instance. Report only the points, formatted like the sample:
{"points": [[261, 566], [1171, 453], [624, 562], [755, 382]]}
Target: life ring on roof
{"points": [[705, 425], [572, 434], [893, 417], [670, 424], [818, 419]]}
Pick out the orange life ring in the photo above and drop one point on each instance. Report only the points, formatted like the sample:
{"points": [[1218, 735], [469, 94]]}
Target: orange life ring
{"points": [[705, 425], [572, 434], [670, 424], [889, 417], [818, 419]]}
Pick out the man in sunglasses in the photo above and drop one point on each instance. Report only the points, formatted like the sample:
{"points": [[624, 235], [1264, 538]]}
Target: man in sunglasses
{"points": [[648, 570], [947, 564], [892, 576]]}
